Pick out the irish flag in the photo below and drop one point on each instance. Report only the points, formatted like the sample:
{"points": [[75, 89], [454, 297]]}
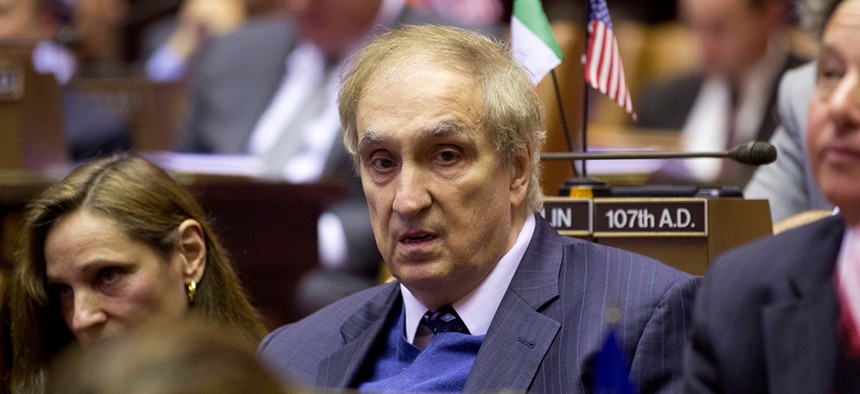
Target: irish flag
{"points": [[532, 42]]}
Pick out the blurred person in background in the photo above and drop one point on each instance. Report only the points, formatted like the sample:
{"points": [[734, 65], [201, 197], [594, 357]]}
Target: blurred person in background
{"points": [[93, 31], [176, 41], [90, 129], [744, 48], [113, 244], [782, 314], [269, 90]]}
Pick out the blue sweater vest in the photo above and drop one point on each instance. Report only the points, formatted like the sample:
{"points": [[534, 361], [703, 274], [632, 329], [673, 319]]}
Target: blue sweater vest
{"points": [[442, 367]]}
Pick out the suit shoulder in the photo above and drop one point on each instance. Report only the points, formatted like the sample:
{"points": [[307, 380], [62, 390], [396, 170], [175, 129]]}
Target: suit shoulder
{"points": [[611, 270], [328, 320], [262, 37], [665, 104], [686, 85], [293, 351], [798, 81], [635, 262], [264, 28]]}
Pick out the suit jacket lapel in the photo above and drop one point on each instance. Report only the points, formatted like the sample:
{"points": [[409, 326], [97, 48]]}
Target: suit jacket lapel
{"points": [[360, 331], [800, 333], [518, 331]]}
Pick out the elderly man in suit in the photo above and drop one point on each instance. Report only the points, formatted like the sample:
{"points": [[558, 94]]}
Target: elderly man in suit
{"points": [[269, 90], [445, 130], [781, 315], [745, 49]]}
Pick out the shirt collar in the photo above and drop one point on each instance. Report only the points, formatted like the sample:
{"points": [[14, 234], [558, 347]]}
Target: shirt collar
{"points": [[479, 306]]}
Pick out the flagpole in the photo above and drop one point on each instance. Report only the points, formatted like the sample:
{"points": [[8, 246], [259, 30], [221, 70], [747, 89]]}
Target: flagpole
{"points": [[584, 132], [563, 119]]}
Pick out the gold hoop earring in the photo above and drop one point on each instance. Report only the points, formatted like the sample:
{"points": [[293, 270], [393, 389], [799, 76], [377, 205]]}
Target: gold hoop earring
{"points": [[191, 291]]}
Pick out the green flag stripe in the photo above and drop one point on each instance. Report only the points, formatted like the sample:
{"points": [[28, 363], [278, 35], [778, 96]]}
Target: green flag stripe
{"points": [[531, 14]]}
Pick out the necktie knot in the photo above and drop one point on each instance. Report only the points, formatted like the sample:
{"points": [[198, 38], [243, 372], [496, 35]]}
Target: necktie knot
{"points": [[444, 319]]}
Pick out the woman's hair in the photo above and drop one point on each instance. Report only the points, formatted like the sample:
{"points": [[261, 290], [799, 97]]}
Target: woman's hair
{"points": [[149, 206], [512, 112]]}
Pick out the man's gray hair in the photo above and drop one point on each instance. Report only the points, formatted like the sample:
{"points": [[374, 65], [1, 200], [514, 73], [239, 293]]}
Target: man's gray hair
{"points": [[512, 111]]}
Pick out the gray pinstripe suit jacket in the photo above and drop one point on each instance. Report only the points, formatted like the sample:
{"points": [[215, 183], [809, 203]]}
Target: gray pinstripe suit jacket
{"points": [[547, 329]]}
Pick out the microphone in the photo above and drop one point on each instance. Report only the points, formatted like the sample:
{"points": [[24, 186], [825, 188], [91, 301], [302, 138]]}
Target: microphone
{"points": [[753, 153]]}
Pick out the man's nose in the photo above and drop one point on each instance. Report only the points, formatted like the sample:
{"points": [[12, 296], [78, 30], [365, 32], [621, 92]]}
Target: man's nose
{"points": [[412, 193], [844, 102]]}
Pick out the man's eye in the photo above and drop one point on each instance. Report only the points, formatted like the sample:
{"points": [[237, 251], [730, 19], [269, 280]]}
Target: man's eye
{"points": [[447, 155], [828, 74], [109, 275], [382, 164], [827, 80]]}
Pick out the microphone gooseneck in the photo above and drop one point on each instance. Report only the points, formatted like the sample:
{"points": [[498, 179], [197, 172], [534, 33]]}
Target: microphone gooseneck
{"points": [[751, 153]]}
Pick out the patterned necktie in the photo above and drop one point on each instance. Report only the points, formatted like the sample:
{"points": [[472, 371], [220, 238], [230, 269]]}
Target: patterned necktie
{"points": [[445, 319], [730, 171], [732, 137], [848, 291]]}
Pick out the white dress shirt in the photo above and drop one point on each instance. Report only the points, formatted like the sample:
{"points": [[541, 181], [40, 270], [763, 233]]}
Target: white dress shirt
{"points": [[479, 306], [307, 75], [705, 129]]}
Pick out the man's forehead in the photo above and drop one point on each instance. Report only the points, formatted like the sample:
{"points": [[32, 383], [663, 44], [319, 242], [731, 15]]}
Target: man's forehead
{"points": [[416, 64], [443, 129], [419, 91]]}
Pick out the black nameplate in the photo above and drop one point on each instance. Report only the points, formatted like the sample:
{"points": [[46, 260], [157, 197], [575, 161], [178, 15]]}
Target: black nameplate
{"points": [[650, 217], [570, 216]]}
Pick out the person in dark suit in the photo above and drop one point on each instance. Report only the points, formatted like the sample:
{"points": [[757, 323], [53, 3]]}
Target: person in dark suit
{"points": [[90, 129], [744, 49], [446, 129], [269, 90], [780, 315]]}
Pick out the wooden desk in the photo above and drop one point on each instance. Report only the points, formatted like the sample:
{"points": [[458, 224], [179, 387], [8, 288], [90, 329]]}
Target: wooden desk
{"points": [[684, 232], [269, 228], [31, 127]]}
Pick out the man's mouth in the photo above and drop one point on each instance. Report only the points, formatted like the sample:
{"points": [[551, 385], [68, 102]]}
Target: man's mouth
{"points": [[416, 237]]}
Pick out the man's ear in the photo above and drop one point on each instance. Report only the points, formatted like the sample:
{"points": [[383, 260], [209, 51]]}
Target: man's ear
{"points": [[192, 249], [520, 177]]}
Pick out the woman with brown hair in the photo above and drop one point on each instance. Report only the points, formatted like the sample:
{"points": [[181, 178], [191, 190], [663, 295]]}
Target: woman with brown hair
{"points": [[114, 243]]}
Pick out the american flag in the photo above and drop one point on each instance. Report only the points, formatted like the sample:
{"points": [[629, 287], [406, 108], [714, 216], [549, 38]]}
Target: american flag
{"points": [[603, 69]]}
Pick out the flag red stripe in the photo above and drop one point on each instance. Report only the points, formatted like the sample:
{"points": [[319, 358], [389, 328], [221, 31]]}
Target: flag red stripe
{"points": [[604, 70]]}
